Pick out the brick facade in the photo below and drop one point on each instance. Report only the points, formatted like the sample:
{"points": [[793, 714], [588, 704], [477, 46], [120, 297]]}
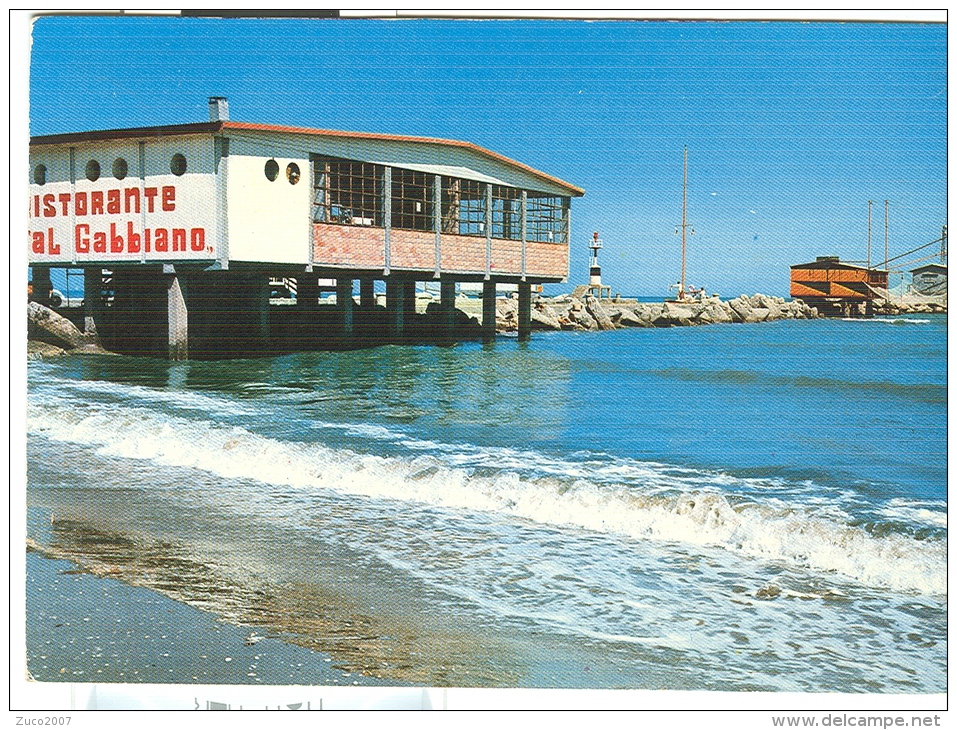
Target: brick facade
{"points": [[506, 256], [546, 259], [350, 246], [364, 248], [463, 253], [412, 249]]}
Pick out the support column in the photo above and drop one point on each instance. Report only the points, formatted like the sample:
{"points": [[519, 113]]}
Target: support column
{"points": [[254, 289], [42, 285], [344, 303], [524, 311], [408, 293], [387, 217], [437, 223], [524, 233], [488, 230], [92, 298], [260, 313], [447, 304], [395, 307], [177, 317], [488, 311], [307, 292], [366, 293]]}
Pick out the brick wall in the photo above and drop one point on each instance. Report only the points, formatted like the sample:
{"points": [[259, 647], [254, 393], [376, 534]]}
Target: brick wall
{"points": [[506, 256], [353, 246], [361, 247], [546, 259], [463, 253], [412, 249]]}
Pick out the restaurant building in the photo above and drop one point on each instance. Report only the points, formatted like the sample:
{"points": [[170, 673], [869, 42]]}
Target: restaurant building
{"points": [[179, 229]]}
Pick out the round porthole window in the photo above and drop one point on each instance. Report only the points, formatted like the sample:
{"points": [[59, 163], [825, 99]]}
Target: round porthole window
{"points": [[40, 174], [92, 170], [178, 164], [272, 170], [120, 168], [292, 173]]}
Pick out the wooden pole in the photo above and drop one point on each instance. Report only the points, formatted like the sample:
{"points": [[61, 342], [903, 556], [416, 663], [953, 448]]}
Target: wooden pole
{"points": [[684, 226], [886, 255]]}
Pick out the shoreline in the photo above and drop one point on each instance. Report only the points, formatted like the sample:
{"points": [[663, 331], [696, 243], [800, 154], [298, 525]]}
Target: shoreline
{"points": [[83, 627]]}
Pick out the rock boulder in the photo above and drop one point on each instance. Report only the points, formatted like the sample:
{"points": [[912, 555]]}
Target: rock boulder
{"points": [[46, 325]]}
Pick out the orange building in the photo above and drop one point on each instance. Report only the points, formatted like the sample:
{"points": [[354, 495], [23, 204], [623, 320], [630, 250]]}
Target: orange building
{"points": [[835, 287]]}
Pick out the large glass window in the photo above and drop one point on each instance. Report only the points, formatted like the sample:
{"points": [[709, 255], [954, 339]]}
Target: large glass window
{"points": [[547, 219], [412, 200], [347, 192], [463, 207], [506, 212]]}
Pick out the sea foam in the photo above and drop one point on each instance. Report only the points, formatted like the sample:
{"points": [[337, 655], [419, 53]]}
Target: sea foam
{"points": [[657, 502]]}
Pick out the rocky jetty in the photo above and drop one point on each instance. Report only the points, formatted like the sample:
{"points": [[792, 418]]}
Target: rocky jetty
{"points": [[50, 334], [587, 313], [911, 304]]}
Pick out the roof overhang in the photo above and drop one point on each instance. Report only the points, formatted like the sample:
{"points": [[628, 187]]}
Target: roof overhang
{"points": [[928, 267], [225, 127], [833, 265]]}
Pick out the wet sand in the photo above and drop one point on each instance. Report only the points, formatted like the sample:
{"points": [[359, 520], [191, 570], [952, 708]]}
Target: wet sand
{"points": [[85, 628]]}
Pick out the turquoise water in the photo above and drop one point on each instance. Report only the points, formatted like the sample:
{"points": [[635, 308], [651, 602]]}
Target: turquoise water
{"points": [[728, 507]]}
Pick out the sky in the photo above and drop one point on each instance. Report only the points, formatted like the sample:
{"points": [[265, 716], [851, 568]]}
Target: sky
{"points": [[791, 127]]}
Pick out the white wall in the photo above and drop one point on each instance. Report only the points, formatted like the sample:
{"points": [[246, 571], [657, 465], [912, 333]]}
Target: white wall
{"points": [[193, 204], [269, 221]]}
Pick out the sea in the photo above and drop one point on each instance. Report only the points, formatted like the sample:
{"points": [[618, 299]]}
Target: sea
{"points": [[748, 507]]}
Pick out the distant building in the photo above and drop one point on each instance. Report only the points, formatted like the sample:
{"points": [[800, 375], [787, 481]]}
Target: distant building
{"points": [[929, 279], [835, 287]]}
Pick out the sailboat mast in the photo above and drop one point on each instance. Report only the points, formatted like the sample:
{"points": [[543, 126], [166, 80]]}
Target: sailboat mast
{"points": [[684, 226]]}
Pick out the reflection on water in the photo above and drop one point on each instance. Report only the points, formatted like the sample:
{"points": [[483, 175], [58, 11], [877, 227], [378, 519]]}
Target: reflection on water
{"points": [[463, 393]]}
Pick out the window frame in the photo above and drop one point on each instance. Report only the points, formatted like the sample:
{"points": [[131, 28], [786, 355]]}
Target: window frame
{"points": [[338, 184], [506, 213], [547, 214], [409, 189], [464, 207]]}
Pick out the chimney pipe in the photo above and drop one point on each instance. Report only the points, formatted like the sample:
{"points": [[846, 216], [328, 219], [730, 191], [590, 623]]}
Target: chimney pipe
{"points": [[218, 109]]}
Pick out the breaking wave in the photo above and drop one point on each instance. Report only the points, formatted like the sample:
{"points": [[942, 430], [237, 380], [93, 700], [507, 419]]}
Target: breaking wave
{"points": [[639, 500]]}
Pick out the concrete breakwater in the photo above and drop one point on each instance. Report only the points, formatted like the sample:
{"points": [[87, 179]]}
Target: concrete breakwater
{"points": [[572, 313]]}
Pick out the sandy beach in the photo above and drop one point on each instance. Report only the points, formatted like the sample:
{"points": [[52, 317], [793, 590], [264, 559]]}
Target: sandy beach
{"points": [[85, 628]]}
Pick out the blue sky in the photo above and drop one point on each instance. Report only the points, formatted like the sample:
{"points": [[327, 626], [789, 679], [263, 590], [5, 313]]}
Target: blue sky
{"points": [[790, 127]]}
